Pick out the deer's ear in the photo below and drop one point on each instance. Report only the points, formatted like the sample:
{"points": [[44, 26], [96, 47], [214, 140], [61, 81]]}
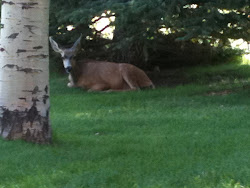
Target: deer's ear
{"points": [[77, 43], [54, 45]]}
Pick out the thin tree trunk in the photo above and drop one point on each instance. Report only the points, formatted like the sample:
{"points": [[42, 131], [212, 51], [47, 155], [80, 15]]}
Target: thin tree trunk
{"points": [[24, 84]]}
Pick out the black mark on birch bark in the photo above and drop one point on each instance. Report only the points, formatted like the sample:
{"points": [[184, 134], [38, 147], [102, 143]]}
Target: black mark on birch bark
{"points": [[45, 98], [13, 36], [28, 125], [43, 56], [10, 66], [34, 100], [10, 122], [10, 3], [30, 28], [46, 89], [21, 98], [36, 90], [37, 47], [21, 69], [21, 51], [2, 49], [33, 92], [29, 70], [32, 114], [27, 5]]}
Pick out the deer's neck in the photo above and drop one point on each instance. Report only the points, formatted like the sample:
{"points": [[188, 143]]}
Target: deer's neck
{"points": [[75, 73]]}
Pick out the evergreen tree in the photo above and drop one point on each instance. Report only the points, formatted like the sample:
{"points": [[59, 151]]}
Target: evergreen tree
{"points": [[195, 18], [138, 22]]}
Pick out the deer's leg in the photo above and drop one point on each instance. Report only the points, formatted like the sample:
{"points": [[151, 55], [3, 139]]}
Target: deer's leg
{"points": [[71, 83], [129, 77], [120, 90], [104, 88], [98, 87], [130, 81]]}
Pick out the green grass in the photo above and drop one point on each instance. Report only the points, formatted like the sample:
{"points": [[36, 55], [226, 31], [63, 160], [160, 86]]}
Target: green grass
{"points": [[168, 137]]}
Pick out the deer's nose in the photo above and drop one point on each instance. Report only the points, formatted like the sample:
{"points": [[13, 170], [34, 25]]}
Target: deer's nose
{"points": [[68, 69]]}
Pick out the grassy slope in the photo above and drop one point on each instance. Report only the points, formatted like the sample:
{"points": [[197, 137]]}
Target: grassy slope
{"points": [[168, 137]]}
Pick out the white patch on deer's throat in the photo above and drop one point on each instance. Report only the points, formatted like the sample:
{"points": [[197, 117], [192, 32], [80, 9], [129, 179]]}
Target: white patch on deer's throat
{"points": [[66, 63]]}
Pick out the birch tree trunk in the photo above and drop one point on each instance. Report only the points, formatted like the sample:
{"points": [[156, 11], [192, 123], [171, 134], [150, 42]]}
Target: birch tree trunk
{"points": [[24, 74]]}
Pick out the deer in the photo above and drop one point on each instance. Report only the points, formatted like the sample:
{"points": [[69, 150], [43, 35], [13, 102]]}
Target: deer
{"points": [[93, 75]]}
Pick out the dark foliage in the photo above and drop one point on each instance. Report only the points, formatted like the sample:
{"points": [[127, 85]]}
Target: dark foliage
{"points": [[194, 24]]}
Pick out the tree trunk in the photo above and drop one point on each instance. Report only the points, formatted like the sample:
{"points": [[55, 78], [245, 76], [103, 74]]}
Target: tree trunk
{"points": [[24, 72]]}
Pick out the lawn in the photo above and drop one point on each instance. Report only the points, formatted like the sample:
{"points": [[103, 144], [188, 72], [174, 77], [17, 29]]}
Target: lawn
{"points": [[193, 135]]}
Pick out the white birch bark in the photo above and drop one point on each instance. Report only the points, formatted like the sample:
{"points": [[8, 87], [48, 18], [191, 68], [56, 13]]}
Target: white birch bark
{"points": [[24, 84]]}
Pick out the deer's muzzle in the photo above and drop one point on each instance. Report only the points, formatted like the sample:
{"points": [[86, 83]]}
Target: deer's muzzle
{"points": [[68, 69]]}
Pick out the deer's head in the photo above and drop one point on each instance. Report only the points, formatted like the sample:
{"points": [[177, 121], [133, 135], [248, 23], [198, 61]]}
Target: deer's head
{"points": [[67, 53]]}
